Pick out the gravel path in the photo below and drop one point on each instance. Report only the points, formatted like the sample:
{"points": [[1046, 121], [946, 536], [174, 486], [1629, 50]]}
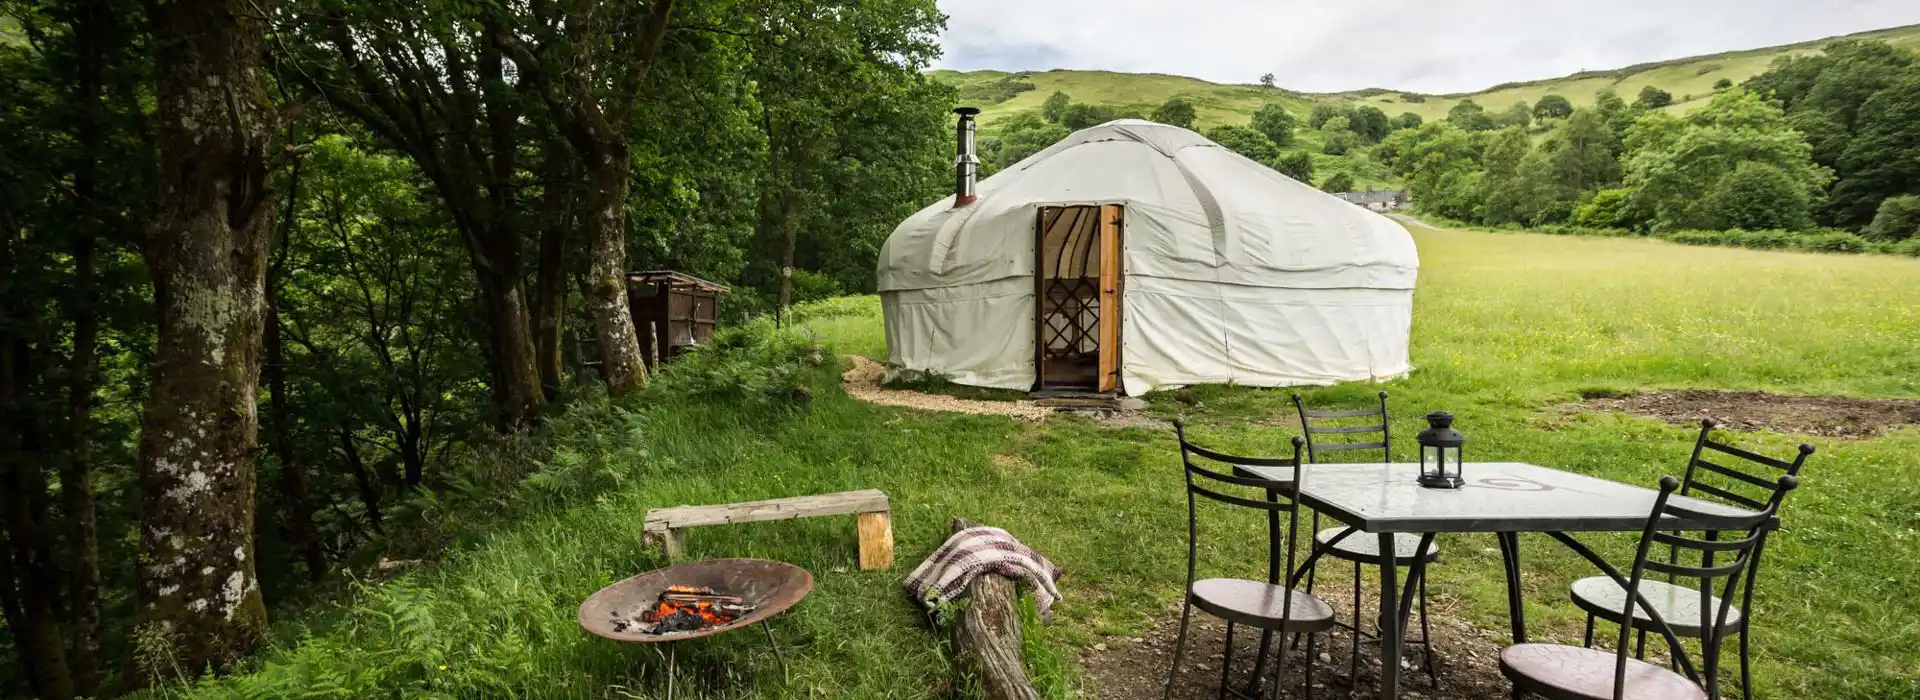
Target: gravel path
{"points": [[863, 382]]}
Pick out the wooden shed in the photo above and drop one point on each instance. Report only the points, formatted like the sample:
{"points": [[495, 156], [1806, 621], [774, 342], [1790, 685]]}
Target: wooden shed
{"points": [[672, 311]]}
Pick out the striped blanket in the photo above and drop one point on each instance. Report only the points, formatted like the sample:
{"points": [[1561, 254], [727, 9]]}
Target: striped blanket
{"points": [[982, 550]]}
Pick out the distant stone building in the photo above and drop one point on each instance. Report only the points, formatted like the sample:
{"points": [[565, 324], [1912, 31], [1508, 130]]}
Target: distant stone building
{"points": [[1377, 200]]}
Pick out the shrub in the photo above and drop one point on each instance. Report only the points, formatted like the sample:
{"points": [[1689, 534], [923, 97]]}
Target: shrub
{"points": [[836, 307], [1897, 219], [1552, 107], [1652, 98], [1606, 209], [1055, 107], [753, 364], [995, 92], [1722, 84], [1412, 97], [1245, 141], [1757, 196], [1338, 182], [1176, 112], [1322, 113], [1275, 122], [1407, 120], [1297, 165]]}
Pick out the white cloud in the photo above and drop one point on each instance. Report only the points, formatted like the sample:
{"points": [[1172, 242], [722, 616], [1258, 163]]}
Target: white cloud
{"points": [[1404, 44]]}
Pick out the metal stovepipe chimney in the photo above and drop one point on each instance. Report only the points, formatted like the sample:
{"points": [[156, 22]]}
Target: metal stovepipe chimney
{"points": [[966, 165]]}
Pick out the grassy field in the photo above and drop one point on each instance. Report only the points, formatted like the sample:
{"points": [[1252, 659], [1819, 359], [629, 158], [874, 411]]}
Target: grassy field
{"points": [[1690, 80], [1507, 328]]}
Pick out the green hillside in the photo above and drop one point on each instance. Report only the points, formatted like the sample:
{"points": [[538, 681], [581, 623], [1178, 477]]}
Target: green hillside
{"points": [[1690, 80]]}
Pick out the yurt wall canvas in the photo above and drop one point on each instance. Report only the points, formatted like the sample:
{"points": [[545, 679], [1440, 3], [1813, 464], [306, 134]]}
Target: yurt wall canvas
{"points": [[1227, 270]]}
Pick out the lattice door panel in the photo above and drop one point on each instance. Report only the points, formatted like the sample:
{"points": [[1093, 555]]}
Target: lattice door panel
{"points": [[1071, 325]]}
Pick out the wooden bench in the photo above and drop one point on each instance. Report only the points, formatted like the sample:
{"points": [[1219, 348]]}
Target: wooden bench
{"points": [[873, 523]]}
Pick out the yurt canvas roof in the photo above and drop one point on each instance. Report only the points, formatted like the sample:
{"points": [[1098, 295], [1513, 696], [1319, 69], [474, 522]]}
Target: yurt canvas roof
{"points": [[1203, 226]]}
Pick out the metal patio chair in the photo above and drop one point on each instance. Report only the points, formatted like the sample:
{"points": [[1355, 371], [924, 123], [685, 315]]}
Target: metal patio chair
{"points": [[1567, 672], [1269, 606], [1363, 551], [1602, 598]]}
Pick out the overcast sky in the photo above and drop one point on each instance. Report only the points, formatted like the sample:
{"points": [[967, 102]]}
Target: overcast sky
{"points": [[1430, 46]]}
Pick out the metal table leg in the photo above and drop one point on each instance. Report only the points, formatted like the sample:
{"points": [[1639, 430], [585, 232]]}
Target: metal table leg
{"points": [[1510, 559], [1390, 637]]}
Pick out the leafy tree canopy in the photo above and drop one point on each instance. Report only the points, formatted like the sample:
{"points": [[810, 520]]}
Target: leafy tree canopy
{"points": [[1297, 165], [1552, 107], [1467, 115], [1175, 112], [1673, 162], [1245, 141], [1055, 107], [1652, 98], [1275, 122]]}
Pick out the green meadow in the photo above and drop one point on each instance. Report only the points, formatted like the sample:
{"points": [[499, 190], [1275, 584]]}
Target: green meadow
{"points": [[1509, 328]]}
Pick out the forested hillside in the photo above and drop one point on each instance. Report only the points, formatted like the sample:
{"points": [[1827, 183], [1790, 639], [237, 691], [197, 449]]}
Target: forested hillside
{"points": [[1803, 146], [271, 270]]}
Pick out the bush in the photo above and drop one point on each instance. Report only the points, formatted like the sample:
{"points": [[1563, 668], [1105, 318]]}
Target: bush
{"points": [[1757, 196], [836, 307], [1606, 209], [1322, 113], [1722, 84], [1897, 219], [1412, 97], [1297, 165], [994, 92], [1176, 112], [1245, 141], [1552, 107], [1338, 182], [1275, 122], [1652, 98], [753, 364], [1407, 120], [1830, 240]]}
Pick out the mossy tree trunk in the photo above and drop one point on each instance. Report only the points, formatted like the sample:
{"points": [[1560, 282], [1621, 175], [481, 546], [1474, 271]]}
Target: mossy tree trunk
{"points": [[207, 255], [605, 48]]}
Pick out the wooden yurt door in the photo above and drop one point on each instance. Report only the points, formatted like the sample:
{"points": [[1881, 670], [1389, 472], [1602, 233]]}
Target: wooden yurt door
{"points": [[1077, 287]]}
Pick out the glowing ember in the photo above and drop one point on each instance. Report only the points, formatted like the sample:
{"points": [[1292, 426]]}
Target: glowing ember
{"points": [[684, 609]]}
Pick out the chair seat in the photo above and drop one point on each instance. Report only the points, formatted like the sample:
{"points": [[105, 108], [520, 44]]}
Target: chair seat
{"points": [[1678, 605], [1364, 547], [1260, 604], [1561, 671]]}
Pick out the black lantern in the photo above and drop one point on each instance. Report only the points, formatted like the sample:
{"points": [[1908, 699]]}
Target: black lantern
{"points": [[1440, 452]]}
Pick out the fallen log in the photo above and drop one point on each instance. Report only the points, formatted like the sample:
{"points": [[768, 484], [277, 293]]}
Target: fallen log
{"points": [[986, 637]]}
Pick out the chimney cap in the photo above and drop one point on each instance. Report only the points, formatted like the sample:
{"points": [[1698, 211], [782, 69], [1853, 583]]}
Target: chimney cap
{"points": [[966, 111]]}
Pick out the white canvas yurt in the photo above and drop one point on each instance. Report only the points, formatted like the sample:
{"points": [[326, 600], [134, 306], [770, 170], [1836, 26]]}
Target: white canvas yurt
{"points": [[1134, 256]]}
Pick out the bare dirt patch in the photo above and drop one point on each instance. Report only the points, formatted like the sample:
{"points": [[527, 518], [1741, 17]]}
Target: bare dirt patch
{"points": [[863, 382], [1466, 657], [1824, 416]]}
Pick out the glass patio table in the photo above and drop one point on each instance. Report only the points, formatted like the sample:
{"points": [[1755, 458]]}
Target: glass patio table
{"points": [[1500, 498]]}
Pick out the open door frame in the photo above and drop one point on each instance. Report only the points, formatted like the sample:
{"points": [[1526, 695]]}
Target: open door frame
{"points": [[1112, 225]]}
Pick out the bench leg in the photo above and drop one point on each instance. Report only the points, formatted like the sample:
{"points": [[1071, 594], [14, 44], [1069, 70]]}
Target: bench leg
{"points": [[875, 531], [676, 542]]}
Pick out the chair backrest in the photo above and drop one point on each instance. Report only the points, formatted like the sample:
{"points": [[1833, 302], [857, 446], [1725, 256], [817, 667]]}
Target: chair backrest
{"points": [[1210, 474], [1356, 427], [1721, 559], [1721, 472]]}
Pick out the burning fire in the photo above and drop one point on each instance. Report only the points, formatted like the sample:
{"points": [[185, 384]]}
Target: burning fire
{"points": [[684, 609]]}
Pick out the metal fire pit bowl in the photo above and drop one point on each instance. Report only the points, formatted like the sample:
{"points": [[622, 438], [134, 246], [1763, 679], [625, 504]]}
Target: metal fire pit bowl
{"points": [[773, 586]]}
